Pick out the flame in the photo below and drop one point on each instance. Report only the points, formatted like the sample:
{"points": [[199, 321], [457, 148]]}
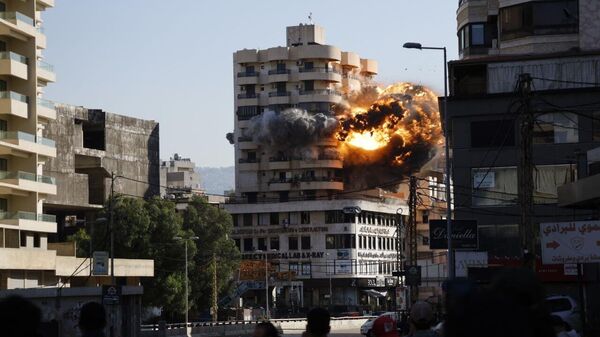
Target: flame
{"points": [[390, 124]]}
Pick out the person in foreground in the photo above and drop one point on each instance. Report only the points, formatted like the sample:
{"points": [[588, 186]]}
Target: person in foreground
{"points": [[317, 323], [19, 317], [421, 319], [265, 329], [92, 320], [384, 326]]}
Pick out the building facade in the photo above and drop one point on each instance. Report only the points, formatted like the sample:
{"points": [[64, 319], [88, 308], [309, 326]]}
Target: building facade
{"points": [[324, 247], [91, 145], [555, 43]]}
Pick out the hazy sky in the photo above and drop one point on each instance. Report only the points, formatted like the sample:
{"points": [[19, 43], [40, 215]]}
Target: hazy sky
{"points": [[171, 61]]}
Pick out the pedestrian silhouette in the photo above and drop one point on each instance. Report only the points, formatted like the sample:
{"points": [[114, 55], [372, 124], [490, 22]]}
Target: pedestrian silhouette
{"points": [[92, 320], [19, 317]]}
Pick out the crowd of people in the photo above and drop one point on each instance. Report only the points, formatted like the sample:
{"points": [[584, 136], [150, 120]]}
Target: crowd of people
{"points": [[512, 305]]}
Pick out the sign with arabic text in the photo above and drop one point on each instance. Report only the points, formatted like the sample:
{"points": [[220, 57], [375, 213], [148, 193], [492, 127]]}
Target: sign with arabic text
{"points": [[570, 242]]}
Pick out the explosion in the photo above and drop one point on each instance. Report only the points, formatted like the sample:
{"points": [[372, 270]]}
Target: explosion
{"points": [[397, 126]]}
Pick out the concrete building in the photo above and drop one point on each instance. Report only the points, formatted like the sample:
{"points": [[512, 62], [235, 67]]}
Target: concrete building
{"points": [[339, 247], [25, 260], [91, 145], [557, 43]]}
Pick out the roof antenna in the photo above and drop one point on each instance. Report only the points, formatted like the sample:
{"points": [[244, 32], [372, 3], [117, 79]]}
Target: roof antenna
{"points": [[310, 20]]}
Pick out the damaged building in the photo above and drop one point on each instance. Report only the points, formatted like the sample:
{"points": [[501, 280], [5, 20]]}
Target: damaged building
{"points": [[91, 144]]}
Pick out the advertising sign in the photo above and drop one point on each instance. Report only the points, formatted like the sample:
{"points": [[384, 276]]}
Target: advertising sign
{"points": [[100, 265], [464, 234], [343, 254], [343, 267], [484, 179], [413, 275], [464, 260], [570, 242], [111, 294]]}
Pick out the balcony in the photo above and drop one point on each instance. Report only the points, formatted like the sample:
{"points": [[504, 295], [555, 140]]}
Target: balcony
{"points": [[45, 3], [279, 97], [320, 95], [22, 22], [322, 163], [29, 221], [279, 75], [13, 103], [46, 109], [247, 77], [40, 38], [13, 64], [319, 74], [16, 182], [20, 143], [45, 71], [324, 184], [245, 164], [245, 143], [248, 98], [279, 164], [277, 185]]}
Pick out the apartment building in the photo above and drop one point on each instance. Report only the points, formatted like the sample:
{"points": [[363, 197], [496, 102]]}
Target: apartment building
{"points": [[179, 174], [289, 208], [557, 44]]}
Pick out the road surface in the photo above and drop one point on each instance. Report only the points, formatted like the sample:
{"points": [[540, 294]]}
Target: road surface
{"points": [[346, 332]]}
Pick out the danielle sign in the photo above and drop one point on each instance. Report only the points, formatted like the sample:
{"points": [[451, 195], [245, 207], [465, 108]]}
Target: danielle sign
{"points": [[464, 234]]}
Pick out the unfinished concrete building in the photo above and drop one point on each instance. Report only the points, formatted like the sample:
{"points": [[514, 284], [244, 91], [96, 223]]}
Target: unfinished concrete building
{"points": [[90, 145]]}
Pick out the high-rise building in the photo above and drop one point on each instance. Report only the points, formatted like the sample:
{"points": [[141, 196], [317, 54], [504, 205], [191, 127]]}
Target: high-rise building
{"points": [[324, 244], [519, 59], [179, 174]]}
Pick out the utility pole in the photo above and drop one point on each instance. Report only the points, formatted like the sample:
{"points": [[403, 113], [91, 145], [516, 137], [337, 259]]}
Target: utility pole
{"points": [[215, 308], [527, 231], [399, 252], [111, 227], [412, 232]]}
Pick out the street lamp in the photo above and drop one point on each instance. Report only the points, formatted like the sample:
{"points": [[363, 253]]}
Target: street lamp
{"points": [[185, 240], [330, 288], [266, 279], [415, 45]]}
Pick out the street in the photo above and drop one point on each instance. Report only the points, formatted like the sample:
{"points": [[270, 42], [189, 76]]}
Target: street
{"points": [[342, 332]]}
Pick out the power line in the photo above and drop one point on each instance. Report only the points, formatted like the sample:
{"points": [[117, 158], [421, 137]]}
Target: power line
{"points": [[565, 81]]}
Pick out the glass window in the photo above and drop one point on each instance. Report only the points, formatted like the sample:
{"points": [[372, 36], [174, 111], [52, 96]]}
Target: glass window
{"points": [[293, 243], [274, 242], [305, 242], [478, 34], [493, 133], [274, 218], [556, 128], [294, 267], [306, 268], [330, 241], [262, 244], [248, 246], [494, 187], [305, 217], [546, 180], [263, 219], [248, 219]]}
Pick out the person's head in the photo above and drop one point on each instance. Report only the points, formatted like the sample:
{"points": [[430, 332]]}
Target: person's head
{"points": [[557, 324], [19, 317], [92, 317], [384, 326], [265, 329], [421, 315], [317, 322]]}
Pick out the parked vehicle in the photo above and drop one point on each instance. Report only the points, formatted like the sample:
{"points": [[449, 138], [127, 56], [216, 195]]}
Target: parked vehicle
{"points": [[566, 308], [367, 326]]}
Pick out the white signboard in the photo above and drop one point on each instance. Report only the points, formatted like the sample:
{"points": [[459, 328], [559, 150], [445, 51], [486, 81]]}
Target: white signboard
{"points": [[343, 267], [484, 179], [570, 242], [464, 260], [100, 266]]}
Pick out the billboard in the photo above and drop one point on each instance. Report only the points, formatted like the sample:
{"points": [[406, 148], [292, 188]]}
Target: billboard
{"points": [[570, 242], [464, 234]]}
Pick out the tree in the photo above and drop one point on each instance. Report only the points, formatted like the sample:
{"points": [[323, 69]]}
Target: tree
{"points": [[213, 227]]}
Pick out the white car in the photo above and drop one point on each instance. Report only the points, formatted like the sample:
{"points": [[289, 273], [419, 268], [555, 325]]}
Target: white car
{"points": [[365, 329], [566, 308]]}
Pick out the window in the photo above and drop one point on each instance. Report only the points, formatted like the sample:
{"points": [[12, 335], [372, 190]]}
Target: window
{"points": [[340, 241], [248, 246], [294, 218], [234, 218], [494, 133], [334, 217], [284, 196], [309, 85], [36, 240], [263, 219], [262, 244], [247, 112], [23, 238], [477, 34], [305, 242], [556, 128], [238, 244], [494, 187], [293, 243], [539, 18], [294, 267], [596, 125], [306, 268], [247, 219], [274, 218], [305, 218], [274, 242]]}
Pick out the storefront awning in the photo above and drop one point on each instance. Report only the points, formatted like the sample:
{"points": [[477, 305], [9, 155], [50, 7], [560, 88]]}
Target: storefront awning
{"points": [[375, 293]]}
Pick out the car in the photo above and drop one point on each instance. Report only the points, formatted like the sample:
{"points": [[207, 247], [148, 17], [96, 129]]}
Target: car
{"points": [[566, 308], [367, 326]]}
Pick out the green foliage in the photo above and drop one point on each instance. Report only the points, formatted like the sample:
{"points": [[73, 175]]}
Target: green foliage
{"points": [[82, 242], [150, 230]]}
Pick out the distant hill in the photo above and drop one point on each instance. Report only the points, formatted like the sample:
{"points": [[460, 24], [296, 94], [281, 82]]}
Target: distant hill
{"points": [[217, 179]]}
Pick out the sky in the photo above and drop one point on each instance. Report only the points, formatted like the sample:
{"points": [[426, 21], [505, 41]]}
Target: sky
{"points": [[171, 61]]}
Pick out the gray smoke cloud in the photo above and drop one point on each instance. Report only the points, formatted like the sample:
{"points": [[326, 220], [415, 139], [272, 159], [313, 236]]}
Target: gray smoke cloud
{"points": [[291, 129]]}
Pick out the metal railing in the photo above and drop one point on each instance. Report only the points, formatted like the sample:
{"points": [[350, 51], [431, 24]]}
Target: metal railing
{"points": [[279, 71], [319, 70], [247, 74], [14, 95], [45, 103], [27, 176], [46, 141], [16, 16], [279, 94], [247, 161], [45, 65], [320, 92], [22, 215], [248, 95], [9, 55]]}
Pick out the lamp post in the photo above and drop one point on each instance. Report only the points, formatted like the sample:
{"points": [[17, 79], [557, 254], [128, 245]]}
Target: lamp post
{"points": [[185, 240], [330, 287], [414, 45], [266, 280]]}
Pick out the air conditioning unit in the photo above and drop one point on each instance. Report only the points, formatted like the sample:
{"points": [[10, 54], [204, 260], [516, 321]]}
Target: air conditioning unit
{"points": [[299, 63]]}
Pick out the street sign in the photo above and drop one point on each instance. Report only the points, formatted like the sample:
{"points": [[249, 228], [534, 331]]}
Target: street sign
{"points": [[464, 234], [570, 242], [413, 275], [111, 294], [465, 260], [100, 263]]}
